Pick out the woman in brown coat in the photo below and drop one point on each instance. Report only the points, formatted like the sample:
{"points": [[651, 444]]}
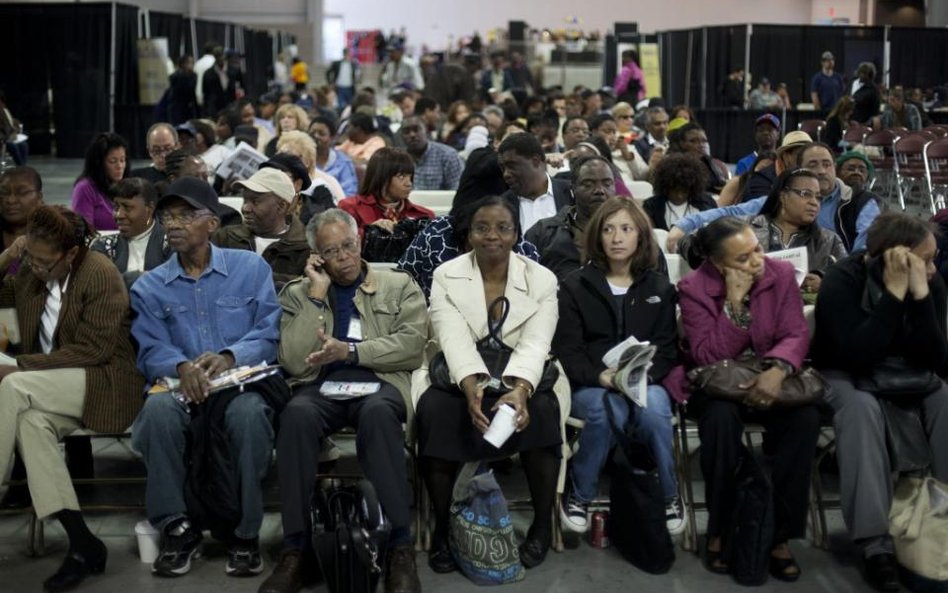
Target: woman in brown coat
{"points": [[76, 368]]}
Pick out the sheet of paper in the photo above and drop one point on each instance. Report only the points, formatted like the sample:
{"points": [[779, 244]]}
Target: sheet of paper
{"points": [[796, 256], [9, 320]]}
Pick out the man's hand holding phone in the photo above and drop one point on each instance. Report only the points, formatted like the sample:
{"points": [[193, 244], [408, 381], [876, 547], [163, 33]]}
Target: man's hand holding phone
{"points": [[319, 279]]}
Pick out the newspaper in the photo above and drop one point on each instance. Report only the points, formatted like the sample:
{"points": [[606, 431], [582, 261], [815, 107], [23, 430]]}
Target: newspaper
{"points": [[631, 359], [242, 163], [796, 256], [235, 377]]}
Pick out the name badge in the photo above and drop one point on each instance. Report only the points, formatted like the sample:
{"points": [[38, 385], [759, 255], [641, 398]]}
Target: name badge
{"points": [[355, 329]]}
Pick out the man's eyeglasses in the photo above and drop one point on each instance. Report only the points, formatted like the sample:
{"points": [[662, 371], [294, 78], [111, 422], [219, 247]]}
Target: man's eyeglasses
{"points": [[347, 248], [43, 269], [160, 150], [185, 219], [806, 194]]}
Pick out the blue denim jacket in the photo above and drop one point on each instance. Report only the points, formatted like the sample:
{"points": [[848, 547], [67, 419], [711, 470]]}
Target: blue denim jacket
{"points": [[231, 307]]}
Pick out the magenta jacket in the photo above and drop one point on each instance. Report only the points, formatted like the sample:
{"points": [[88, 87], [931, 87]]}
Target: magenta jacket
{"points": [[778, 329], [93, 205]]}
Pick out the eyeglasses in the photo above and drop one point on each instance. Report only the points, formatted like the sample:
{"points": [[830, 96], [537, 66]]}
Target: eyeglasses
{"points": [[624, 116], [168, 218], [19, 195], [806, 194], [347, 248], [160, 150], [40, 268], [849, 167], [482, 230]]}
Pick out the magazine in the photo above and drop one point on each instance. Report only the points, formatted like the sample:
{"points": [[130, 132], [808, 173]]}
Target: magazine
{"points": [[631, 359]]}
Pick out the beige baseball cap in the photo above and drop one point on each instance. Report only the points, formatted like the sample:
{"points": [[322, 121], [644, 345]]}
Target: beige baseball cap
{"points": [[794, 138], [270, 180]]}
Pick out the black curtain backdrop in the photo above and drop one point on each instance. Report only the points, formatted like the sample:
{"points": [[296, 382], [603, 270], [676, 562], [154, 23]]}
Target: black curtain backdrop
{"points": [[24, 75], [919, 57], [259, 58], [777, 54], [131, 119], [77, 42], [725, 51], [209, 31], [173, 26]]}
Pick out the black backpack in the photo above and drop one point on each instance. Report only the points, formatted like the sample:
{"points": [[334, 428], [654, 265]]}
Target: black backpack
{"points": [[350, 534], [636, 522], [750, 535]]}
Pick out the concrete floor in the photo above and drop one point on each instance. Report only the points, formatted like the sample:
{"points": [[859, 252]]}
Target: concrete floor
{"points": [[581, 568]]}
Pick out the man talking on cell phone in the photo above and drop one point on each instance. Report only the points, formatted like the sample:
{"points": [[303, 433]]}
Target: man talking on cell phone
{"points": [[202, 312], [349, 339]]}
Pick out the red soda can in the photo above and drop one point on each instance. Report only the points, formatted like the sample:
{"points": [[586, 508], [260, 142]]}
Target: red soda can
{"points": [[599, 536]]}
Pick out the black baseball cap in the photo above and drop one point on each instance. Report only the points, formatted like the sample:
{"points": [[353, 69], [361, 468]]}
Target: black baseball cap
{"points": [[290, 164], [196, 192]]}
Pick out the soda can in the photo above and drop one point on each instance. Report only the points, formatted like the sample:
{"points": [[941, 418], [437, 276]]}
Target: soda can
{"points": [[598, 536]]}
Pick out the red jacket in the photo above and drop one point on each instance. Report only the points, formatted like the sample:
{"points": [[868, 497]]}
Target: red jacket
{"points": [[778, 328], [366, 210]]}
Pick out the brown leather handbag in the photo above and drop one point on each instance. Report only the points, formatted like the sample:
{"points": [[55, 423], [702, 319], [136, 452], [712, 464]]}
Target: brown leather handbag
{"points": [[723, 378]]}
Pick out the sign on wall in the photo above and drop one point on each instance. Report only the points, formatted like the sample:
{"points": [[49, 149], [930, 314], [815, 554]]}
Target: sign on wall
{"points": [[152, 69]]}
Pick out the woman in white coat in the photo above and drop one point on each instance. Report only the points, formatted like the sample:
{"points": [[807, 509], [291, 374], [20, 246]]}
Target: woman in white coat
{"points": [[451, 422]]}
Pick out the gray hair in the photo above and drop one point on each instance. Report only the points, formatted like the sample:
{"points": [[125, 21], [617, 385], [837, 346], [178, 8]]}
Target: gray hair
{"points": [[160, 125], [495, 110], [330, 216], [654, 110]]}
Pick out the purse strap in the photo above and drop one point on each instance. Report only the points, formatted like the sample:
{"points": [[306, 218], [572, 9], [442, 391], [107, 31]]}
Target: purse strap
{"points": [[494, 330]]}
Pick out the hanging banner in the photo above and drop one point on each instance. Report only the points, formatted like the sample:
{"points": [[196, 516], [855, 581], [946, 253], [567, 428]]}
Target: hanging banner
{"points": [[152, 69], [651, 69]]}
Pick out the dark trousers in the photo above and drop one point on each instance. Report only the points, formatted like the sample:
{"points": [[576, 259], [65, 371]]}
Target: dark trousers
{"points": [[306, 422], [794, 432]]}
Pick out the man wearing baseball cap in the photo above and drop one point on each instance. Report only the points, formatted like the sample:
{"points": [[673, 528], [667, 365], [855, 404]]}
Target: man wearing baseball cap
{"points": [[202, 312], [270, 228], [766, 137], [846, 212], [827, 86]]}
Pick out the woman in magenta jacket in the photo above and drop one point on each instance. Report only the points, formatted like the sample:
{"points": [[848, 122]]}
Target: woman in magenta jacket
{"points": [[106, 163], [739, 303]]}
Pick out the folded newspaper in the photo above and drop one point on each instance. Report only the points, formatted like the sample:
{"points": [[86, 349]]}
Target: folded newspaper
{"points": [[631, 359], [235, 377]]}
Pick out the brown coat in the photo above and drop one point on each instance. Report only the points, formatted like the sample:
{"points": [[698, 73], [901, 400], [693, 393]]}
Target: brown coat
{"points": [[93, 334]]}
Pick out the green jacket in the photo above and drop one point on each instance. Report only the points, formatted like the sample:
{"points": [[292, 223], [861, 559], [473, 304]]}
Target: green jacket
{"points": [[287, 257], [394, 329]]}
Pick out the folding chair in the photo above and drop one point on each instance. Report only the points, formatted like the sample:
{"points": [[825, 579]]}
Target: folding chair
{"points": [[878, 146], [936, 171], [855, 134], [813, 127], [910, 167]]}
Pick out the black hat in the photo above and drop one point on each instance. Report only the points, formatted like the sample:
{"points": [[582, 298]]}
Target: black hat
{"points": [[289, 163], [195, 192]]}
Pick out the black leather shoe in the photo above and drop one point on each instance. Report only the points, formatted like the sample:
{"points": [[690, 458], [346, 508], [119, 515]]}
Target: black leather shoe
{"points": [[533, 551], [441, 560], [402, 574], [290, 574], [882, 572], [75, 568]]}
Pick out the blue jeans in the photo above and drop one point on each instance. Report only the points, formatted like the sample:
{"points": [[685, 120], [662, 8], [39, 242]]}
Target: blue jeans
{"points": [[653, 423], [160, 435]]}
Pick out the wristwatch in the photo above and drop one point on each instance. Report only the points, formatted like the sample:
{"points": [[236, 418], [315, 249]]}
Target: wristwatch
{"points": [[353, 356]]}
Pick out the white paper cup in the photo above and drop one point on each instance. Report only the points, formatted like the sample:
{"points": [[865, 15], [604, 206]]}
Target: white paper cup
{"points": [[148, 538], [502, 426]]}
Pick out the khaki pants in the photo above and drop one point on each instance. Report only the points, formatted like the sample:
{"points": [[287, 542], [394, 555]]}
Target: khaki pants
{"points": [[37, 409]]}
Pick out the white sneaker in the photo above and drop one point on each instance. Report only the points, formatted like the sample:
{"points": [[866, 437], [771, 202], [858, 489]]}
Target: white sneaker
{"points": [[675, 518], [574, 513]]}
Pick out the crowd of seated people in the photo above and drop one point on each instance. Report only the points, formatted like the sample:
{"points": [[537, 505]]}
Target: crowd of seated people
{"points": [[149, 279]]}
